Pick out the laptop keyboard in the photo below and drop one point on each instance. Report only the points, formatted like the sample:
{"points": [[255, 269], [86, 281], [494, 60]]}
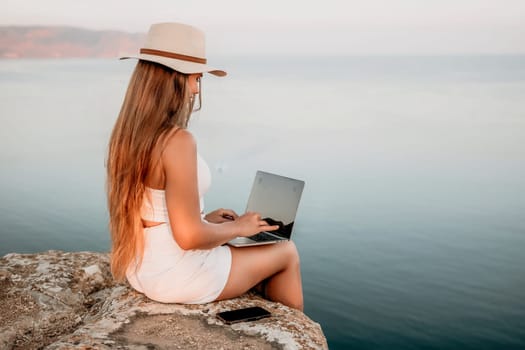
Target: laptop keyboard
{"points": [[262, 237]]}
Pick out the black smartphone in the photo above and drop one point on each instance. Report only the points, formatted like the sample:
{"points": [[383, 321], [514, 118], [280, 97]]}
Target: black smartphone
{"points": [[243, 315]]}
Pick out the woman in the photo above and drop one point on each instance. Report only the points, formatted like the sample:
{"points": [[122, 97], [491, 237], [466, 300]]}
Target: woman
{"points": [[161, 242]]}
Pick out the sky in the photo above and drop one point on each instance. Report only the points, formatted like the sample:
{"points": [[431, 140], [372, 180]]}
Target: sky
{"points": [[322, 27]]}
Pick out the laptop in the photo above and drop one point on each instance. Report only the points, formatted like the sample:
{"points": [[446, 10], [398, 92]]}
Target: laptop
{"points": [[276, 198]]}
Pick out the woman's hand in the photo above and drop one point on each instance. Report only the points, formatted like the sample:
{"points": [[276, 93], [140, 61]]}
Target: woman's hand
{"points": [[251, 223], [221, 215]]}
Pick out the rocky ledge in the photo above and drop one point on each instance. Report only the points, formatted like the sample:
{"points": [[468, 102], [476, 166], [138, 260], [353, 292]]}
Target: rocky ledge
{"points": [[64, 300]]}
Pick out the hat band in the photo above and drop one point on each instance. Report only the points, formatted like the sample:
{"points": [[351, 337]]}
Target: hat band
{"points": [[173, 55]]}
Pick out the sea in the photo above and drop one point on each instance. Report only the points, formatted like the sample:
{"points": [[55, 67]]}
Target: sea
{"points": [[411, 228]]}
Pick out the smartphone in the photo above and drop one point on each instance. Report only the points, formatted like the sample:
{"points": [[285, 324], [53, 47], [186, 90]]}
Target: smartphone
{"points": [[243, 315]]}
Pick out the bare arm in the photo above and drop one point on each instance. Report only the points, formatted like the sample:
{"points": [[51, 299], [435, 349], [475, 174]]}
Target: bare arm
{"points": [[179, 160]]}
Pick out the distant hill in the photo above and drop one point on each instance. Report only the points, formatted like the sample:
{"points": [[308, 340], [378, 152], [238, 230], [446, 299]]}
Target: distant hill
{"points": [[58, 42]]}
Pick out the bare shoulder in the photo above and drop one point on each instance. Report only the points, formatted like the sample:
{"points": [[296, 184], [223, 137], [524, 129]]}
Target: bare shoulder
{"points": [[179, 142], [179, 159]]}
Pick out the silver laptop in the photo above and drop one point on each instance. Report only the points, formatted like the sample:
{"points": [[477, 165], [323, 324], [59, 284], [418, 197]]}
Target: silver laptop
{"points": [[276, 198]]}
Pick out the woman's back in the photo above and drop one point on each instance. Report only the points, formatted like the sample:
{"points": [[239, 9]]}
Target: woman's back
{"points": [[154, 208]]}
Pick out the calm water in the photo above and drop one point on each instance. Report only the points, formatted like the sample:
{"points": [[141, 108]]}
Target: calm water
{"points": [[412, 225]]}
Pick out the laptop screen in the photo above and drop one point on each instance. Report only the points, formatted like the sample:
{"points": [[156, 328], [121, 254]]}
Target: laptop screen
{"points": [[276, 198]]}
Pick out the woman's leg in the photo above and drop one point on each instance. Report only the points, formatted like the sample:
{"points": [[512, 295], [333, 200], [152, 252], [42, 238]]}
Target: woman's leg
{"points": [[279, 263]]}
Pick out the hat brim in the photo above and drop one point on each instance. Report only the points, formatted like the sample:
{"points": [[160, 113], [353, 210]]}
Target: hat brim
{"points": [[185, 67]]}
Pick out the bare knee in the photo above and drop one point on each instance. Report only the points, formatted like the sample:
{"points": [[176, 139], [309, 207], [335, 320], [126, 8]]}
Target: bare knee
{"points": [[286, 287], [291, 253]]}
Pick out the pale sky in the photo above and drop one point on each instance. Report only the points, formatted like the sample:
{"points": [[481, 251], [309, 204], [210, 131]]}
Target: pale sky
{"points": [[303, 27]]}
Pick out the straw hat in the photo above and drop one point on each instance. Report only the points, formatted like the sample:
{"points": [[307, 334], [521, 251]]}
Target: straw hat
{"points": [[177, 46]]}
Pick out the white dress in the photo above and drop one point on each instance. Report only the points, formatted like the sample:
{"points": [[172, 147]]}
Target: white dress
{"points": [[170, 274]]}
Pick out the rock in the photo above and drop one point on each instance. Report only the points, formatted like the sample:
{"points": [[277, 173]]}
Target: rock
{"points": [[65, 300]]}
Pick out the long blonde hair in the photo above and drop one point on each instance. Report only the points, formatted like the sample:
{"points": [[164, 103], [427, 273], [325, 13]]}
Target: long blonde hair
{"points": [[157, 100]]}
